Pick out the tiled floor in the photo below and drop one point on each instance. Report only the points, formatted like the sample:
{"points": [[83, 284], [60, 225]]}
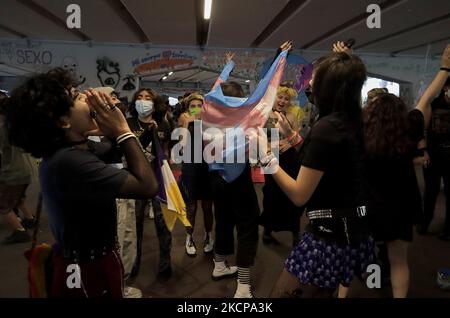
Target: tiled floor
{"points": [[191, 276]]}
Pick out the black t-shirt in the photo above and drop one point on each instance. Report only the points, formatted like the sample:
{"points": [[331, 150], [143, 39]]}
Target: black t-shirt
{"points": [[439, 130], [394, 190], [145, 134], [106, 150], [80, 190], [333, 147], [194, 168]]}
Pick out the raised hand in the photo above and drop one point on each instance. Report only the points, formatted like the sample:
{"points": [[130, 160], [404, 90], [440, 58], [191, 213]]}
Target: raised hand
{"points": [[341, 47], [108, 117], [229, 56], [283, 124], [287, 46], [185, 119], [445, 59]]}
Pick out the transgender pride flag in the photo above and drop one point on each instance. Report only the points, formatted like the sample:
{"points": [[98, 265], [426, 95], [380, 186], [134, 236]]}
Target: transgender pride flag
{"points": [[230, 113]]}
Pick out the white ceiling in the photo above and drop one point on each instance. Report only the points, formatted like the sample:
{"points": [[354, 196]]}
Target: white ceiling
{"points": [[407, 26]]}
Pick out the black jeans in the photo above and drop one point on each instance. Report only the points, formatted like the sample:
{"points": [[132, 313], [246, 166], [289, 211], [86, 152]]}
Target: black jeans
{"points": [[439, 168], [236, 205], [164, 235]]}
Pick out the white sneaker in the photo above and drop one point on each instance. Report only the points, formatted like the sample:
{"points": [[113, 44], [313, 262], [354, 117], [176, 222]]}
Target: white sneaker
{"points": [[151, 213], [243, 291], [209, 243], [131, 292], [190, 246], [223, 270]]}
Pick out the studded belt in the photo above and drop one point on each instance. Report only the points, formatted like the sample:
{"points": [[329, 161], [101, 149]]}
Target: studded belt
{"points": [[360, 212]]}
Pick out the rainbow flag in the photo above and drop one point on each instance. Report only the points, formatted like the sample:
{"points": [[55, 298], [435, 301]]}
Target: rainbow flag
{"points": [[230, 113], [172, 204], [39, 274]]}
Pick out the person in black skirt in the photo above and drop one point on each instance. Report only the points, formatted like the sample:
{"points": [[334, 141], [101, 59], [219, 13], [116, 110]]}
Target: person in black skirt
{"points": [[438, 145], [392, 136], [336, 245], [279, 213]]}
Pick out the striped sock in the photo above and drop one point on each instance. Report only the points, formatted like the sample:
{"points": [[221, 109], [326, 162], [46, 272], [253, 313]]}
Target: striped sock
{"points": [[244, 275], [219, 258]]}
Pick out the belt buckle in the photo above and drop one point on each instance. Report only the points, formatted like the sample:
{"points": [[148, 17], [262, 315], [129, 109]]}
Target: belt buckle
{"points": [[361, 211]]}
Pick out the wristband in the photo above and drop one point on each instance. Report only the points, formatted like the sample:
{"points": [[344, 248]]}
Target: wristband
{"points": [[124, 137], [299, 141], [447, 69]]}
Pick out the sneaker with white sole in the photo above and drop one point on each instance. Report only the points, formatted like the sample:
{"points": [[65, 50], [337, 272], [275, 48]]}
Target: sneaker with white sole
{"points": [[131, 292], [151, 213], [223, 270], [209, 243], [243, 291], [190, 246]]}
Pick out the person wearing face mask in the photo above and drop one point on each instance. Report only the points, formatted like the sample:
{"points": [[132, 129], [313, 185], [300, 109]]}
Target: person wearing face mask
{"points": [[143, 123], [195, 178], [438, 143], [109, 151]]}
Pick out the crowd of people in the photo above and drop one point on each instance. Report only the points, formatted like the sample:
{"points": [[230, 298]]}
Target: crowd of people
{"points": [[350, 169]]}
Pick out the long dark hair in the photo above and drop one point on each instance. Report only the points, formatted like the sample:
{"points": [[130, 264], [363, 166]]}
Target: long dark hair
{"points": [[132, 107], [386, 127], [338, 80], [160, 108]]}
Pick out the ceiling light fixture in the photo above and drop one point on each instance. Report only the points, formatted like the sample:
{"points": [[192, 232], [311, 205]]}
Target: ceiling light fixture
{"points": [[164, 78], [207, 12], [170, 73], [247, 81]]}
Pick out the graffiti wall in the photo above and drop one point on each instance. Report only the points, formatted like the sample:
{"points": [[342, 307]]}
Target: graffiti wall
{"points": [[118, 66]]}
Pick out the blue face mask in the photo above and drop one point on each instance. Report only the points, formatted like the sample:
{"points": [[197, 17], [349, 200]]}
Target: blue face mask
{"points": [[144, 107]]}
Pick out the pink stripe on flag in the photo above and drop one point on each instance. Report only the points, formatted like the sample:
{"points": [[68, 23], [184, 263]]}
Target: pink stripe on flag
{"points": [[223, 115]]}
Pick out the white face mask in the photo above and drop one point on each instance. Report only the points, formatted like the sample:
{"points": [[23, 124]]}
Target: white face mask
{"points": [[144, 107]]}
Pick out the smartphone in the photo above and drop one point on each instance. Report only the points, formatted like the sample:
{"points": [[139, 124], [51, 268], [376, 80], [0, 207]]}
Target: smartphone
{"points": [[349, 43]]}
